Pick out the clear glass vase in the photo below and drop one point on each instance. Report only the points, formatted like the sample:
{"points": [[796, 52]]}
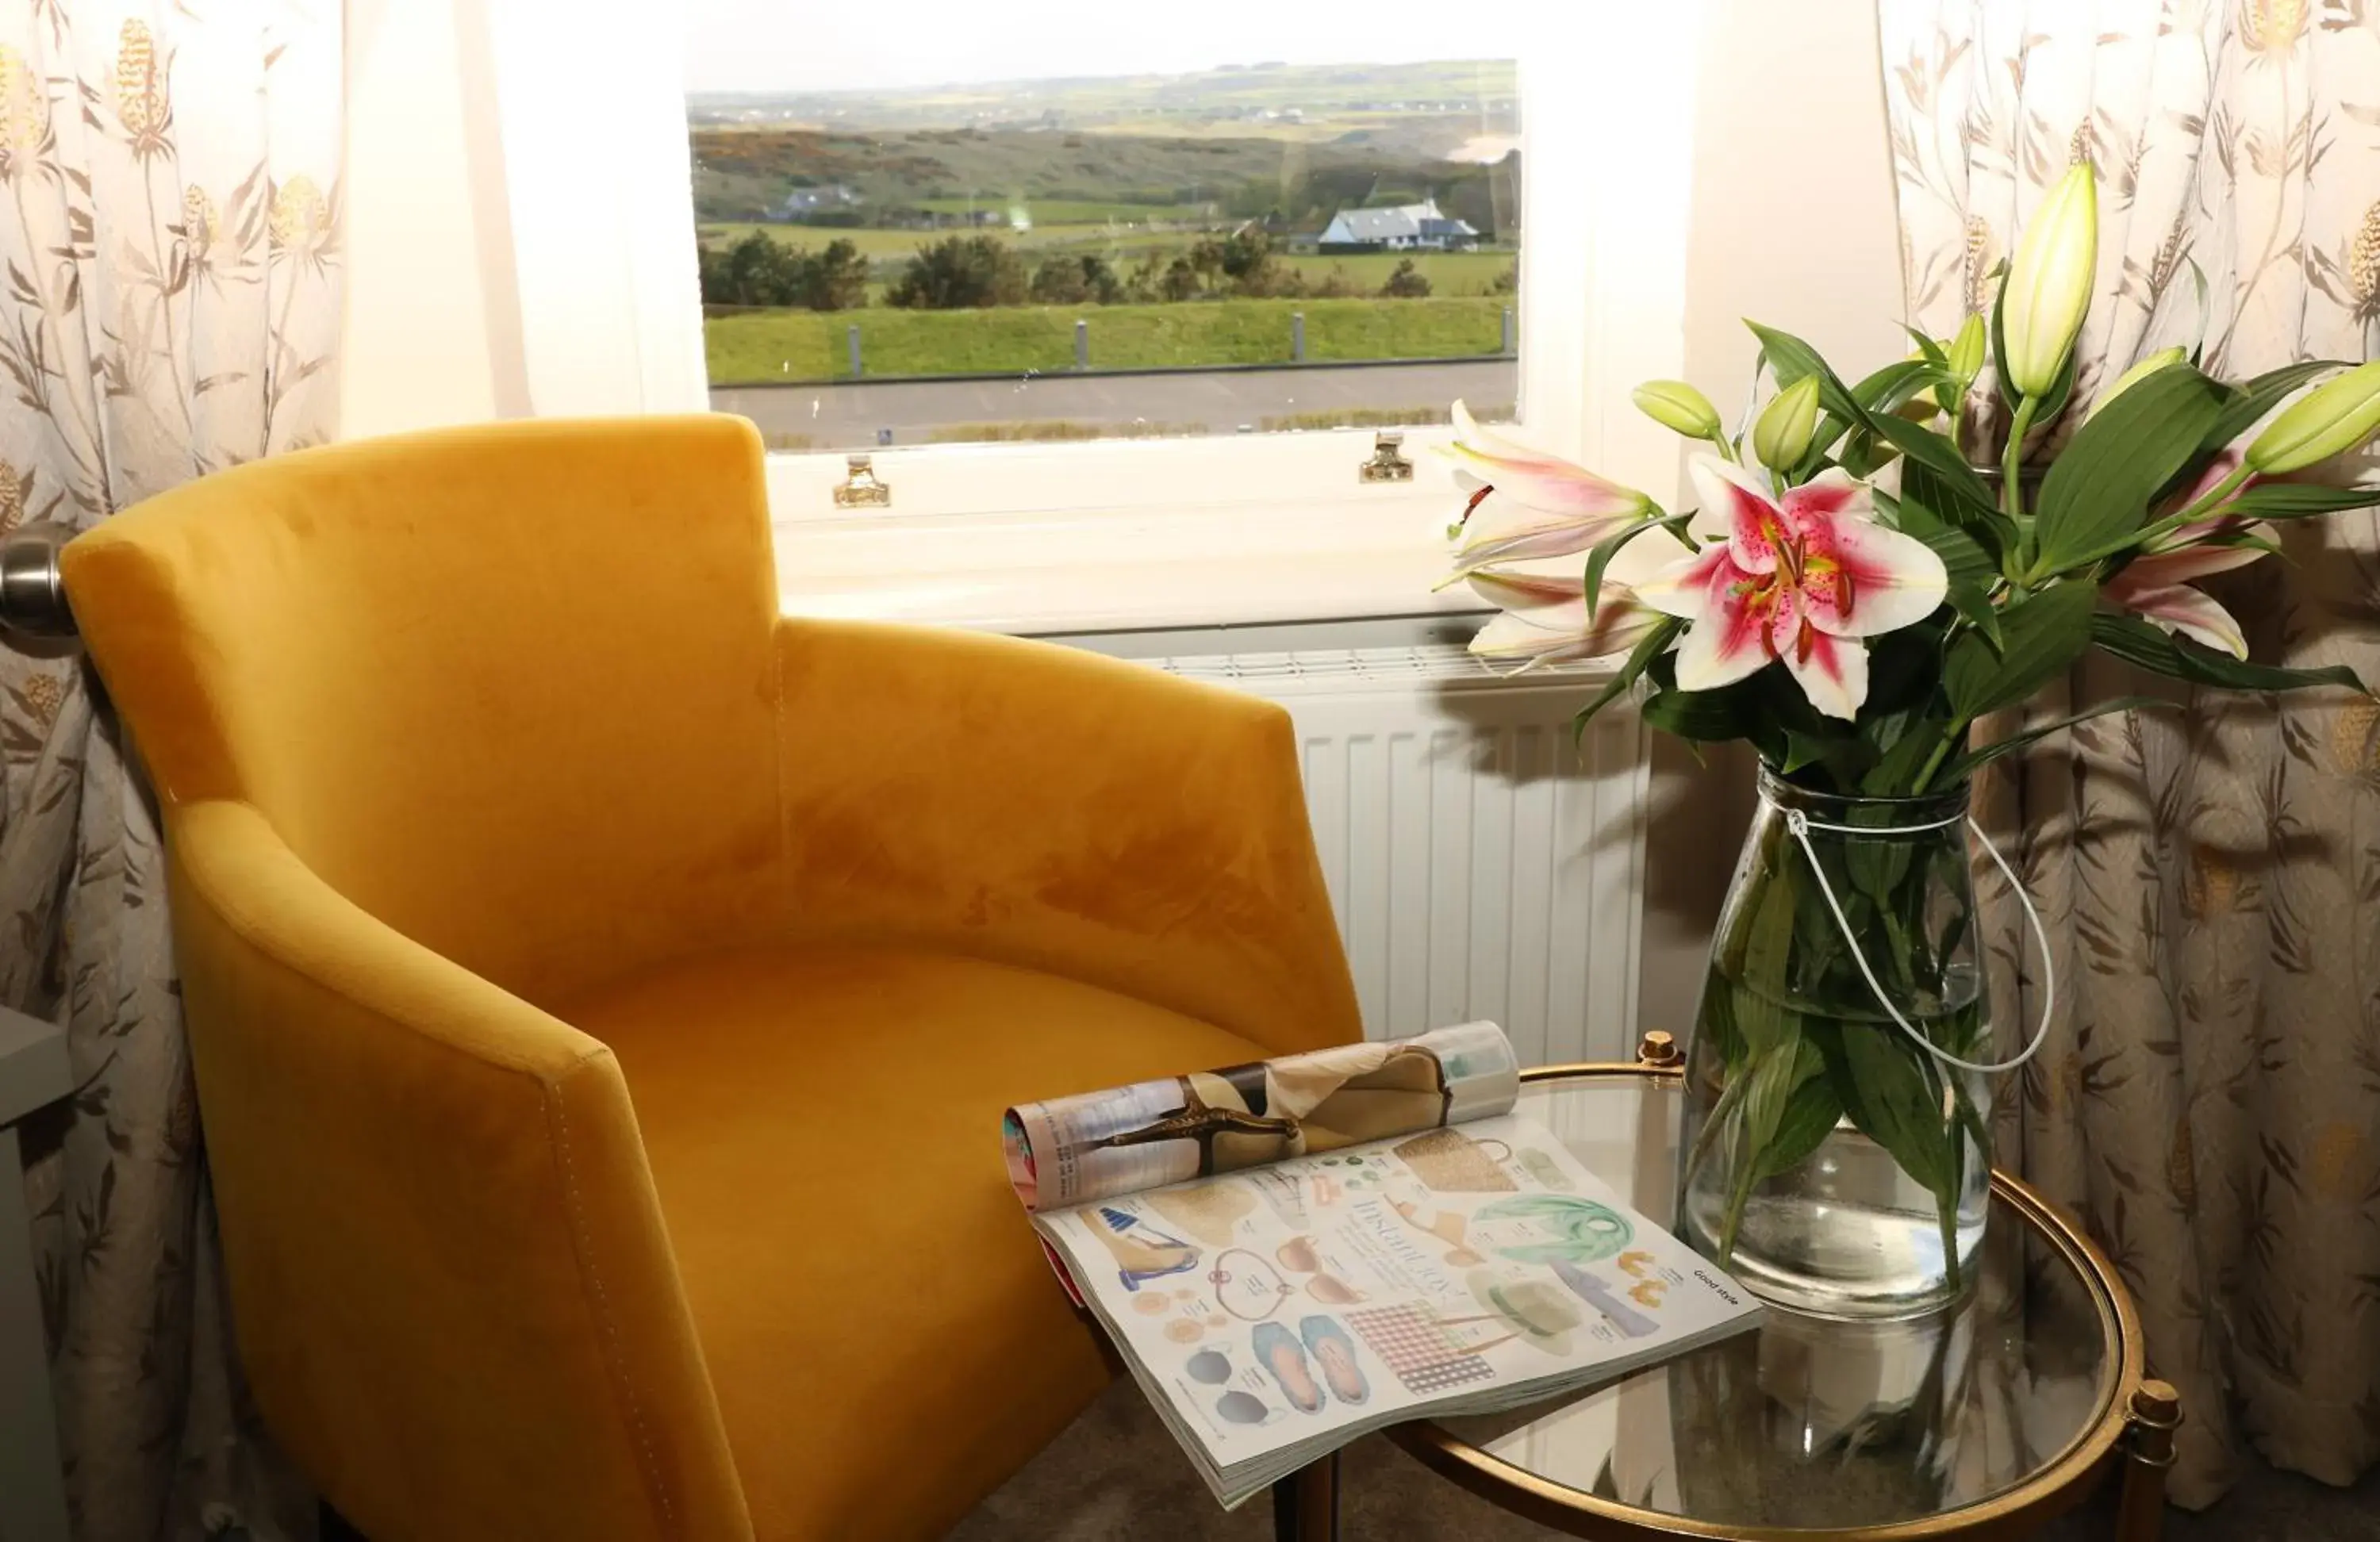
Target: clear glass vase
{"points": [[1834, 1165]]}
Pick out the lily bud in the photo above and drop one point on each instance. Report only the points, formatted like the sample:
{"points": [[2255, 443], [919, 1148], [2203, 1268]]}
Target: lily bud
{"points": [[2133, 376], [2049, 284], [1781, 435], [1678, 406], [1966, 350], [2331, 420]]}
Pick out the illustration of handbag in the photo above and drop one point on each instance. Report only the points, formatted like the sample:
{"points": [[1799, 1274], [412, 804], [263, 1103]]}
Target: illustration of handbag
{"points": [[1451, 1162]]}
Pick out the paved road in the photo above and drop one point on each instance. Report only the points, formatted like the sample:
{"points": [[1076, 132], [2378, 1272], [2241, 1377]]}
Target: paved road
{"points": [[1223, 401]]}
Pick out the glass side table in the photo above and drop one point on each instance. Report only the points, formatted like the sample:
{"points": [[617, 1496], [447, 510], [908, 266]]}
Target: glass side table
{"points": [[1981, 1421]]}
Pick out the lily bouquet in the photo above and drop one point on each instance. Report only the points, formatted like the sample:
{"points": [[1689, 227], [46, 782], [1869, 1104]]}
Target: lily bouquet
{"points": [[1852, 596]]}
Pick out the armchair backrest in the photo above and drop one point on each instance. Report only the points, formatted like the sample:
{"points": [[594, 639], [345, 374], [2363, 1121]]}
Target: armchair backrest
{"points": [[446, 728], [509, 688]]}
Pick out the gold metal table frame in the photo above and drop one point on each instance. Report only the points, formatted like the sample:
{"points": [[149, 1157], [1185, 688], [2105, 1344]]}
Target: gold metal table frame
{"points": [[2132, 1430]]}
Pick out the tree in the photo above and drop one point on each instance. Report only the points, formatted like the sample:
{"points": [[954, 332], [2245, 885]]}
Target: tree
{"points": [[836, 279], [1406, 283], [961, 272], [1180, 281], [760, 271], [1087, 280]]}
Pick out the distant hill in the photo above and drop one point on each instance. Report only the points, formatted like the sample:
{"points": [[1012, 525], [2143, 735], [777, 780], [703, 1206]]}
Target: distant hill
{"points": [[1298, 98], [1290, 144]]}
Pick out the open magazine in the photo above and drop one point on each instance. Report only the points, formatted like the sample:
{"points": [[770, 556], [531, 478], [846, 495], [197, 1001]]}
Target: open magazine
{"points": [[1294, 1252]]}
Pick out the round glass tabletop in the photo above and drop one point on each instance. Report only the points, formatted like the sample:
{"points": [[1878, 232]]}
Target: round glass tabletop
{"points": [[1998, 1403]]}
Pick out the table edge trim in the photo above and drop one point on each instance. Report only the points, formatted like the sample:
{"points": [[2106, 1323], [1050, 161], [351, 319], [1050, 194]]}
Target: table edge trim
{"points": [[2056, 1486]]}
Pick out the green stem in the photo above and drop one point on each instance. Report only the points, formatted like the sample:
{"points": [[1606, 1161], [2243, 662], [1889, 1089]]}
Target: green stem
{"points": [[2012, 479], [1747, 1167], [2214, 500], [1954, 734]]}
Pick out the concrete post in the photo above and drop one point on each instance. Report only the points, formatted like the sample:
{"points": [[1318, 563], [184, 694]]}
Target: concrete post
{"points": [[1297, 337], [1082, 344], [1508, 328], [855, 351]]}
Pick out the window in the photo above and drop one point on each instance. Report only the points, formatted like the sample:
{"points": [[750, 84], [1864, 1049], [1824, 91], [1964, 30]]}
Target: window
{"points": [[1046, 233], [1052, 534]]}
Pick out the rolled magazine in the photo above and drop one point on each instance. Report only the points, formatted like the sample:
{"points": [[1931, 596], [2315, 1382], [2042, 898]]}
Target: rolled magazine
{"points": [[1292, 1253]]}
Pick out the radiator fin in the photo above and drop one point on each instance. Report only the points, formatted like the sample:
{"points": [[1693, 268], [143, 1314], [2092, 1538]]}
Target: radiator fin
{"points": [[1479, 865]]}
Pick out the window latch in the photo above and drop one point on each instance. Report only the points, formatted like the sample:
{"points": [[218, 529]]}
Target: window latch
{"points": [[861, 490], [1385, 465]]}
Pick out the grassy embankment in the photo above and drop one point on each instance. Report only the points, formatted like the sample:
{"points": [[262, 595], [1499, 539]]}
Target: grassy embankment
{"points": [[774, 346]]}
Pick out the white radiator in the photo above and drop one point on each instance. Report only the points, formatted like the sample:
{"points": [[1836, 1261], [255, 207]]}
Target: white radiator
{"points": [[1479, 867]]}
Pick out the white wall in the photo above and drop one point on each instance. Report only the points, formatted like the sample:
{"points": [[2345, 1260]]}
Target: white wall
{"points": [[432, 329], [1793, 225]]}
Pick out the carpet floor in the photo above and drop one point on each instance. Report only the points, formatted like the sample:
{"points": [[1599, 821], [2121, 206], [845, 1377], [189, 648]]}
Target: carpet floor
{"points": [[1115, 1476]]}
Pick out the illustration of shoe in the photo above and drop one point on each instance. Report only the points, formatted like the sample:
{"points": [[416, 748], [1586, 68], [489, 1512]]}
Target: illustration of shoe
{"points": [[1142, 1253], [1280, 1353], [1335, 1352]]}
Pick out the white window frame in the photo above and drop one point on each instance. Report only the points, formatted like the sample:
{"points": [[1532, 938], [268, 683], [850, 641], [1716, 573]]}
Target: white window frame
{"points": [[1111, 535]]}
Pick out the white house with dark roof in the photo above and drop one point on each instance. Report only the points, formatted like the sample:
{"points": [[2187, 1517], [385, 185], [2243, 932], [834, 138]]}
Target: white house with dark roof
{"points": [[1406, 227]]}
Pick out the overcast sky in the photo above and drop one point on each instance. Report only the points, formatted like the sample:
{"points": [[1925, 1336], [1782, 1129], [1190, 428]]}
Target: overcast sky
{"points": [[829, 45]]}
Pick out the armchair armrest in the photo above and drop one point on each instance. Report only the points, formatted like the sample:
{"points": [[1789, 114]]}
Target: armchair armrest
{"points": [[1050, 807], [447, 1262]]}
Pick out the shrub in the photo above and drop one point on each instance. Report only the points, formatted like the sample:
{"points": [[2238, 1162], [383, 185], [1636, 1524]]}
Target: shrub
{"points": [[1406, 282], [961, 272]]}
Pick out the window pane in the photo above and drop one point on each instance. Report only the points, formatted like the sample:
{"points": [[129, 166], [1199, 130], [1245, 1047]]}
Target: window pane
{"points": [[1022, 226]]}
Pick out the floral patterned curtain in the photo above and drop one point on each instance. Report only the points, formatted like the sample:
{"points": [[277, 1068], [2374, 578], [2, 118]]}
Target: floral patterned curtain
{"points": [[2209, 1101], [169, 170]]}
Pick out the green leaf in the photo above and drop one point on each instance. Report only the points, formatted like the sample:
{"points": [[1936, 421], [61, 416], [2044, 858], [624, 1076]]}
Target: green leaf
{"points": [[1923, 446], [1809, 1115], [1776, 1071], [1880, 392], [1966, 764], [2254, 398], [2098, 491], [1972, 572], [1704, 716], [1892, 776], [1898, 1104], [2136, 642], [2297, 499], [1929, 349], [1639, 659], [1599, 555], [2041, 636], [1791, 359]]}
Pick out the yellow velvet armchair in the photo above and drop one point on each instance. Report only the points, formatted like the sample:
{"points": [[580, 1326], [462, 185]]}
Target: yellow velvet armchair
{"points": [[603, 991]]}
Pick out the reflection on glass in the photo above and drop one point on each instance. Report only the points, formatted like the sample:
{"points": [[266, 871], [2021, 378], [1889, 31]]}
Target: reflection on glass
{"points": [[1075, 233], [1816, 1422]]}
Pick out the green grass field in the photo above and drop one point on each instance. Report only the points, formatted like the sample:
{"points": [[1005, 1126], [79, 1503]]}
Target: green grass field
{"points": [[1069, 211], [765, 346]]}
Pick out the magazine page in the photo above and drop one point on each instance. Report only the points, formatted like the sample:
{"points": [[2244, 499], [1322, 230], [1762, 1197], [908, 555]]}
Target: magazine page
{"points": [[1099, 1144], [1269, 1310]]}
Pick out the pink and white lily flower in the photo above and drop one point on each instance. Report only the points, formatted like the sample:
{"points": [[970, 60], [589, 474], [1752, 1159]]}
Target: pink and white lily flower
{"points": [[1525, 504], [2218, 520], [2156, 585], [1801, 579], [1543, 619]]}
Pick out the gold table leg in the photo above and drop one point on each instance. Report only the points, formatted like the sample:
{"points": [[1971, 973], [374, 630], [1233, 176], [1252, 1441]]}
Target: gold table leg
{"points": [[1306, 1503], [2154, 1414]]}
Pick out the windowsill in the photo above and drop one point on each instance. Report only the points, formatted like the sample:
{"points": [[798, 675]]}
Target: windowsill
{"points": [[1088, 570], [1127, 595]]}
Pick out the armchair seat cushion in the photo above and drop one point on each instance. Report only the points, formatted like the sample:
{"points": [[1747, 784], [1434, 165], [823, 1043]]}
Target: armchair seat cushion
{"points": [[823, 1127]]}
